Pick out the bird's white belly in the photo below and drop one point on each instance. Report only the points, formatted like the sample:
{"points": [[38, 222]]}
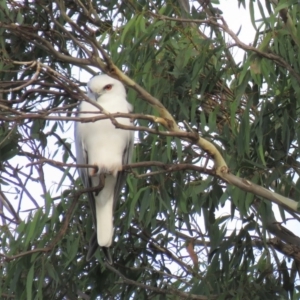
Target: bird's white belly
{"points": [[105, 145]]}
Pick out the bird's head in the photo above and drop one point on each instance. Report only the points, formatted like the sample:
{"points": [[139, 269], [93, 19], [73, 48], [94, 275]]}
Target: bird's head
{"points": [[105, 85]]}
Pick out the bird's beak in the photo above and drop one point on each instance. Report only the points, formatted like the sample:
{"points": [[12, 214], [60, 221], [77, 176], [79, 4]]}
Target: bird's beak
{"points": [[94, 96], [97, 96]]}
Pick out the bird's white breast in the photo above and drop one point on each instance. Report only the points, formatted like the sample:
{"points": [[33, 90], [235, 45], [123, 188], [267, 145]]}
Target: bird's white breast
{"points": [[105, 143]]}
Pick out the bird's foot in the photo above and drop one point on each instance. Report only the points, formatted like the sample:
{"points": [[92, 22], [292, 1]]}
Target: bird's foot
{"points": [[101, 184], [93, 171], [97, 170]]}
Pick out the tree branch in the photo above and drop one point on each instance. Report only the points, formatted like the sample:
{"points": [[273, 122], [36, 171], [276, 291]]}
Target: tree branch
{"points": [[165, 291]]}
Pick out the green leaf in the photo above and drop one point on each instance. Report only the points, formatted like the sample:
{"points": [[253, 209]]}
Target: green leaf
{"points": [[41, 279], [281, 6], [179, 149], [66, 172], [133, 204], [169, 147], [128, 29], [252, 17], [48, 203], [29, 282], [212, 121], [31, 228], [73, 251], [37, 126], [144, 205], [20, 18]]}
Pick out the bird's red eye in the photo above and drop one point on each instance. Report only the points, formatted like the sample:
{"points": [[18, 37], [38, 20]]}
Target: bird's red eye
{"points": [[108, 87]]}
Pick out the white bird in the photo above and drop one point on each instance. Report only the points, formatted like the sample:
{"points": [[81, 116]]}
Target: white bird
{"points": [[101, 144]]}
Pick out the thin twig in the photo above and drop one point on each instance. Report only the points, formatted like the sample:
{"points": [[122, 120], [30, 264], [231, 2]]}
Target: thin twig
{"points": [[164, 291]]}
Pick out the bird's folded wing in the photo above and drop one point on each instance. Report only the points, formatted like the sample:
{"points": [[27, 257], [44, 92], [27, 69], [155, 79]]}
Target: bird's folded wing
{"points": [[82, 158], [121, 177]]}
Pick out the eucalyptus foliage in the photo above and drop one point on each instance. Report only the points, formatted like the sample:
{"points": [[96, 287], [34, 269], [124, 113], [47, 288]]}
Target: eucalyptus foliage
{"points": [[182, 230]]}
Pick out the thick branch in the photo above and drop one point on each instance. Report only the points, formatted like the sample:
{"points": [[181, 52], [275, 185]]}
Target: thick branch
{"points": [[245, 185]]}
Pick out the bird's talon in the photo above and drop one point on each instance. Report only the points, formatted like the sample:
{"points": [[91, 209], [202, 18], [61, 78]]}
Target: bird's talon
{"points": [[94, 171]]}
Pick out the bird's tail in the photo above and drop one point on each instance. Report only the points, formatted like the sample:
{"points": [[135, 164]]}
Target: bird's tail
{"points": [[104, 212]]}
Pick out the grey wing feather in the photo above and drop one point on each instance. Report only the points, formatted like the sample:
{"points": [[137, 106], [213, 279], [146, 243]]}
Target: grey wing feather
{"points": [[82, 158], [121, 177]]}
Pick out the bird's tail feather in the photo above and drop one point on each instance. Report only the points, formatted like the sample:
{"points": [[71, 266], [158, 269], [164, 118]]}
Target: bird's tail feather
{"points": [[104, 213], [107, 254], [93, 246]]}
